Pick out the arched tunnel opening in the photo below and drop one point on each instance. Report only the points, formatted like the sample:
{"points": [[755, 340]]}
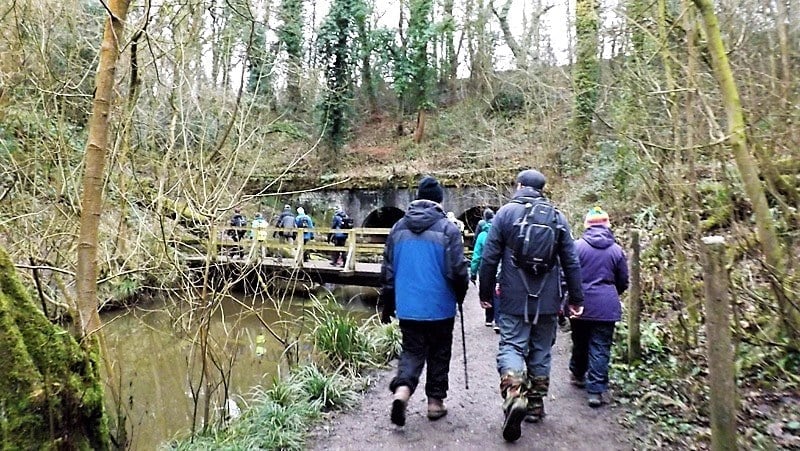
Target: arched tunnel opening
{"points": [[384, 217], [472, 216]]}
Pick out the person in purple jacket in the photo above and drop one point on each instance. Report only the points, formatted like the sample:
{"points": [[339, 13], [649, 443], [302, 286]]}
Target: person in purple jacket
{"points": [[604, 274]]}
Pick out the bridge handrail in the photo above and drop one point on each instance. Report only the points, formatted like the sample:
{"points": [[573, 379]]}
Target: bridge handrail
{"points": [[355, 243]]}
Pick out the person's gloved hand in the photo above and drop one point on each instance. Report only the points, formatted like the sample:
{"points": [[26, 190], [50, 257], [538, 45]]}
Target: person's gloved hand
{"points": [[388, 301], [461, 292]]}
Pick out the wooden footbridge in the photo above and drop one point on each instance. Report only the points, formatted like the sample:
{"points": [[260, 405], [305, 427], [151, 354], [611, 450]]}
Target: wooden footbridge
{"points": [[360, 265]]}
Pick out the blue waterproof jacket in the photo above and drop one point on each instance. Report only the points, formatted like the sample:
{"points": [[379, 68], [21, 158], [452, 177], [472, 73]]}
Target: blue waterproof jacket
{"points": [[514, 296], [337, 223], [424, 272], [604, 270], [298, 221]]}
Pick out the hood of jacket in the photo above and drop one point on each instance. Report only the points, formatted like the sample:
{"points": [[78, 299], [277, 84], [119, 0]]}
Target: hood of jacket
{"points": [[599, 237], [422, 214]]}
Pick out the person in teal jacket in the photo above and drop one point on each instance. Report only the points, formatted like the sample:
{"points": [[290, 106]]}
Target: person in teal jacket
{"points": [[477, 250]]}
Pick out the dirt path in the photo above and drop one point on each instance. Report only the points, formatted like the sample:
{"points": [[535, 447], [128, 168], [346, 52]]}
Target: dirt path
{"points": [[474, 416]]}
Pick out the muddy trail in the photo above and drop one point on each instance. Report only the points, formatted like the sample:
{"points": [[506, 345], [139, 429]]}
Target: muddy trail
{"points": [[474, 419]]}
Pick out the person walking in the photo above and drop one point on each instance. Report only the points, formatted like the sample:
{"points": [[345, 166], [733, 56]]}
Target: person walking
{"points": [[604, 271], [238, 231], [337, 237], [483, 231], [423, 277], [259, 234], [532, 241], [304, 221]]}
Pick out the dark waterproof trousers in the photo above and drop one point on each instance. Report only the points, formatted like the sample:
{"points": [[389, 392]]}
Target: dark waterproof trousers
{"points": [[425, 343], [591, 352]]}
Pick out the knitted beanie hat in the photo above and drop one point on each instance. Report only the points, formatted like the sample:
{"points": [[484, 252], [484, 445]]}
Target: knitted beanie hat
{"points": [[596, 217], [430, 189]]}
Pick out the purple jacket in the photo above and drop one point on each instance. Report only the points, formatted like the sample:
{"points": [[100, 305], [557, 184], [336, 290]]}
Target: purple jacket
{"points": [[604, 272]]}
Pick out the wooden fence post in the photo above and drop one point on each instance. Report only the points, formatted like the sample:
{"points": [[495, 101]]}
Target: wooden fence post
{"points": [[721, 372], [635, 303]]}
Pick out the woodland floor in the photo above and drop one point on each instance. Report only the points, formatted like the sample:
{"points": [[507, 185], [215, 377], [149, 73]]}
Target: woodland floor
{"points": [[474, 416]]}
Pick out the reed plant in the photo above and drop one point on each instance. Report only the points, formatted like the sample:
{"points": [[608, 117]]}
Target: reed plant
{"points": [[278, 417]]}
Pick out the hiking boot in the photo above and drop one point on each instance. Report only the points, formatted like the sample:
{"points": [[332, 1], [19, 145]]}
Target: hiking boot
{"points": [[577, 381], [594, 400], [399, 403], [436, 409], [535, 410], [514, 408]]}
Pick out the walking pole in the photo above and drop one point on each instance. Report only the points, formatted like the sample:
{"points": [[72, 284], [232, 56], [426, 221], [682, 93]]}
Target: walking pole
{"points": [[463, 345]]}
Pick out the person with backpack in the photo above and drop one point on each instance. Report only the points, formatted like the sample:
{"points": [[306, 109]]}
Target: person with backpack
{"points": [[340, 221], [303, 221], [423, 279], [532, 241], [238, 222], [604, 271]]}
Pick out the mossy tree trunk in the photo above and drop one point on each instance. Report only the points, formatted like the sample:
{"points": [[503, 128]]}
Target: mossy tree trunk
{"points": [[51, 395], [748, 169], [586, 73]]}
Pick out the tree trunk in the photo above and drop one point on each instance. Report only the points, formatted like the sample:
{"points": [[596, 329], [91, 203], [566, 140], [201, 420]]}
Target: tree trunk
{"points": [[520, 54], [94, 172], [587, 72], [50, 388], [746, 164]]}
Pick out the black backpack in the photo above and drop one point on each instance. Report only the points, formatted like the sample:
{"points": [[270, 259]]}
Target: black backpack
{"points": [[347, 222], [533, 248], [304, 222], [238, 221]]}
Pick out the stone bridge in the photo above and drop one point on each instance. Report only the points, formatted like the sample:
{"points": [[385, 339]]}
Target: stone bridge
{"points": [[380, 202], [384, 207]]}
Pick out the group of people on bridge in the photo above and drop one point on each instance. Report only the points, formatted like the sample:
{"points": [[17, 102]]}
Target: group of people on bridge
{"points": [[529, 271], [288, 222]]}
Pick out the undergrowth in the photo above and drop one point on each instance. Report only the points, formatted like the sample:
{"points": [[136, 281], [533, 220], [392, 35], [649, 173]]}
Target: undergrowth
{"points": [[665, 395], [279, 416]]}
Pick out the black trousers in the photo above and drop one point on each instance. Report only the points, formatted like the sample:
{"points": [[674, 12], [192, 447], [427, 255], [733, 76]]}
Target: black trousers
{"points": [[425, 343]]}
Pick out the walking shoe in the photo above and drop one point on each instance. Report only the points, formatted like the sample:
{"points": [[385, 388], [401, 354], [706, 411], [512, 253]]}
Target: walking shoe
{"points": [[436, 409], [488, 324], [594, 400], [496, 328], [514, 408], [401, 395], [577, 381]]}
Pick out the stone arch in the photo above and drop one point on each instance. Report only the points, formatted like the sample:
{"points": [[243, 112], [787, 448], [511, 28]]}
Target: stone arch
{"points": [[473, 215], [383, 217]]}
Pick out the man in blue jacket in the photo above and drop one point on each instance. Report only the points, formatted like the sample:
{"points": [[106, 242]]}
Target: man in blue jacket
{"points": [[424, 276], [523, 357]]}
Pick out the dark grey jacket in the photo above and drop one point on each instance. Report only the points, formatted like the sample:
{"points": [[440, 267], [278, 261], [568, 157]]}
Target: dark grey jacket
{"points": [[513, 293]]}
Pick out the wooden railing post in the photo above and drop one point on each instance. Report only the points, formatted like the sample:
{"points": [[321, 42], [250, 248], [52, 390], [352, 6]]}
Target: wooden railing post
{"points": [[350, 257], [721, 372], [298, 256], [635, 303]]}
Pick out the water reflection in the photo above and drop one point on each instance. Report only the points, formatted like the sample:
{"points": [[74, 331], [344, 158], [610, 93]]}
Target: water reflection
{"points": [[154, 352]]}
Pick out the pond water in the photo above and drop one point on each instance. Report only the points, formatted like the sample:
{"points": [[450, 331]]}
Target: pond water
{"points": [[156, 364]]}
